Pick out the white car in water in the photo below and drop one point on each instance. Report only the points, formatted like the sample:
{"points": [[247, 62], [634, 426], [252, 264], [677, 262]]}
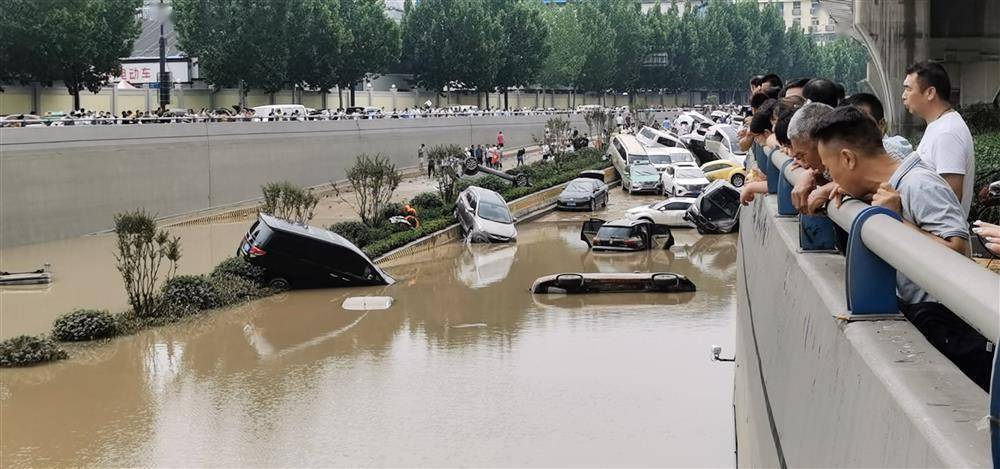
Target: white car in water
{"points": [[683, 179], [668, 212]]}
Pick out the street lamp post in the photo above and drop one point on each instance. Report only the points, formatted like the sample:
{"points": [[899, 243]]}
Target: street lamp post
{"points": [[164, 77]]}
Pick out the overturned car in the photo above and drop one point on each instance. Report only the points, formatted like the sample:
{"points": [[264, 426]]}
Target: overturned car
{"points": [[625, 235], [665, 282], [302, 256], [716, 210]]}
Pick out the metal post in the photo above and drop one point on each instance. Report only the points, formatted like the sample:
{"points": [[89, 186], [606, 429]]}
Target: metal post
{"points": [[164, 77]]}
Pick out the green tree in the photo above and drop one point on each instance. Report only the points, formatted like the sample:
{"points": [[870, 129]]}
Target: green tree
{"points": [[844, 60], [316, 43], [567, 48], [597, 73], [213, 31], [523, 46], [631, 43], [801, 55], [715, 45], [77, 41], [374, 42]]}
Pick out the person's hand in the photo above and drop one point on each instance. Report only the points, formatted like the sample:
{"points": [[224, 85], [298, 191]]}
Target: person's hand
{"points": [[742, 132], [747, 194], [888, 197], [802, 189], [990, 234], [818, 198], [837, 194]]}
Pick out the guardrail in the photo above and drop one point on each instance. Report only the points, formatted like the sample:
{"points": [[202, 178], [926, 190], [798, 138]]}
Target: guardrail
{"points": [[878, 246]]}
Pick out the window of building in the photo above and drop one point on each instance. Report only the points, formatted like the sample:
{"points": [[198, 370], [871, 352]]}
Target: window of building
{"points": [[815, 21]]}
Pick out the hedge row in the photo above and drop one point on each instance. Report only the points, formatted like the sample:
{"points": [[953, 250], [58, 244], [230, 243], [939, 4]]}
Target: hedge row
{"points": [[232, 282], [987, 147]]}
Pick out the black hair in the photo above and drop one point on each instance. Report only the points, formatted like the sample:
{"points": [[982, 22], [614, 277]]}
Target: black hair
{"points": [[781, 127], [772, 93], [850, 125], [756, 80], [869, 100], [757, 99], [824, 91], [773, 79], [788, 105], [794, 83], [761, 121], [932, 74]]}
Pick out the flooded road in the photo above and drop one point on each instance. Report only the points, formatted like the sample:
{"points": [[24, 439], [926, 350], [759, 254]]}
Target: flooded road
{"points": [[466, 368]]}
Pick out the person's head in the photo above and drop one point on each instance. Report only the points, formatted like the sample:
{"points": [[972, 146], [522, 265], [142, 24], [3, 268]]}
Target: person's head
{"points": [[786, 106], [794, 87], [926, 89], [771, 81], [850, 145], [756, 100], [799, 127], [755, 82], [824, 91], [760, 123], [781, 129], [869, 104]]}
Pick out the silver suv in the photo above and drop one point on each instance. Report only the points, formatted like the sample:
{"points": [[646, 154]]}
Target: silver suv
{"points": [[484, 216]]}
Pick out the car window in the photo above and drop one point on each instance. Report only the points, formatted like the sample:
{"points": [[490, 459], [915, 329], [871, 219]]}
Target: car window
{"points": [[609, 232], [660, 159], [666, 142], [585, 185], [260, 234], [676, 206], [688, 173], [471, 200], [683, 158], [647, 133], [714, 167], [620, 149], [643, 169], [494, 212]]}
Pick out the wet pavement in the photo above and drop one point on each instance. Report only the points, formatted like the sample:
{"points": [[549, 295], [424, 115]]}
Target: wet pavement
{"points": [[466, 368]]}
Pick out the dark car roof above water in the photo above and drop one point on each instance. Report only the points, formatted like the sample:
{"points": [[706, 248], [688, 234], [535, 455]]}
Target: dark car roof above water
{"points": [[309, 231]]}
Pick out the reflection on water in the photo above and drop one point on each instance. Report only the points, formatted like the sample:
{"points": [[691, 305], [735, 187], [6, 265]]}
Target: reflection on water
{"points": [[465, 368]]}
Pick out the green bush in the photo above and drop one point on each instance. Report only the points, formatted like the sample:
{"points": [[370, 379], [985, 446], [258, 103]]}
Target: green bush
{"points": [[391, 209], [427, 201], [188, 294], [239, 267], [231, 289], [981, 118], [987, 147], [354, 231], [27, 350], [83, 324], [402, 238]]}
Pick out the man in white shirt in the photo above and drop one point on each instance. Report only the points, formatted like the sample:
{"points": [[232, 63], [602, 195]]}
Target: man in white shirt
{"points": [[947, 143]]}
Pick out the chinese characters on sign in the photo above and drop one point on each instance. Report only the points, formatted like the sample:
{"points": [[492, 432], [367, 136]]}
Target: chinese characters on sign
{"points": [[148, 72], [137, 75]]}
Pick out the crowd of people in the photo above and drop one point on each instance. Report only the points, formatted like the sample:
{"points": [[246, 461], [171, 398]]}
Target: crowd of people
{"points": [[842, 144], [245, 114]]}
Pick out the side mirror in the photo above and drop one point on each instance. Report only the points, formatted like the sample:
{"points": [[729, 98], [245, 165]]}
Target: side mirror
{"points": [[513, 219]]}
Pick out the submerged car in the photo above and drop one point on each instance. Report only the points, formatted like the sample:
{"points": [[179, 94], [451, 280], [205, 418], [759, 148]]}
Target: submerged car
{"points": [[484, 216], [726, 170], [625, 235], [301, 256], [716, 210], [668, 212], [683, 179], [641, 177], [585, 192], [661, 282]]}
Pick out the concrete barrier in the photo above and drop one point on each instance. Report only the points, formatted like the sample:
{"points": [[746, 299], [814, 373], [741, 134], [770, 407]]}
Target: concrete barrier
{"points": [[815, 390], [62, 182]]}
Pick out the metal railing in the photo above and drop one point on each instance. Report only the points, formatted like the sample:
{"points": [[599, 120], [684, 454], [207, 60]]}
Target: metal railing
{"points": [[879, 245]]}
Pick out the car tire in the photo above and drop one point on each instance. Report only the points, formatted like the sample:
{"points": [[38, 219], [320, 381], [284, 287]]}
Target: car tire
{"points": [[738, 180], [278, 284], [593, 205]]}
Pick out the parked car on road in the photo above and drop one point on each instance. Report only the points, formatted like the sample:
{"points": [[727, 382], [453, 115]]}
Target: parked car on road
{"points": [[641, 177], [302, 256], [726, 170], [625, 235], [668, 212], [587, 192], [661, 157], [484, 216], [651, 137], [683, 179]]}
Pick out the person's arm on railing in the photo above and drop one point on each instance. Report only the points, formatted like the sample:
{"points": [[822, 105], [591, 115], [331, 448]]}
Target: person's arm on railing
{"points": [[938, 222]]}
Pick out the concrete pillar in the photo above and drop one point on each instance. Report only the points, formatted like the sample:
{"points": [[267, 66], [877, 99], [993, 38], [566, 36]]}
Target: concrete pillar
{"points": [[393, 91], [148, 97], [180, 97]]}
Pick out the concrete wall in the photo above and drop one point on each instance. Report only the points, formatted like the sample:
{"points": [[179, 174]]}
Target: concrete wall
{"points": [[60, 182], [814, 390]]}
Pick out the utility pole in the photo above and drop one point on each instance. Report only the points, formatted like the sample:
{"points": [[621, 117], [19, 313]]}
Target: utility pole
{"points": [[164, 91]]}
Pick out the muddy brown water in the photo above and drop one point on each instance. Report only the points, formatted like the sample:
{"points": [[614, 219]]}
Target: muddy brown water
{"points": [[466, 368]]}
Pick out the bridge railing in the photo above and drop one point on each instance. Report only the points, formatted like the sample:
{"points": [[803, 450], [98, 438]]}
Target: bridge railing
{"points": [[878, 246]]}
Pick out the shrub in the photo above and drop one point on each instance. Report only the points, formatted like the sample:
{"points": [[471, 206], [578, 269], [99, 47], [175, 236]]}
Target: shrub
{"points": [[140, 251], [83, 324], [427, 200], [391, 209], [237, 266], [402, 238], [374, 179], [981, 118], [27, 350], [288, 201], [355, 231], [187, 294], [230, 289], [987, 148]]}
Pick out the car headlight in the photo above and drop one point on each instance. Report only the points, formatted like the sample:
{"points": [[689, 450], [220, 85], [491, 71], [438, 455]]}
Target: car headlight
{"points": [[636, 184]]}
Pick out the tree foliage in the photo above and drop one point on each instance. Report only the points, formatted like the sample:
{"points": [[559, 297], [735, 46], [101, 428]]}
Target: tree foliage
{"points": [[374, 43], [453, 42], [140, 251], [374, 179], [79, 42]]}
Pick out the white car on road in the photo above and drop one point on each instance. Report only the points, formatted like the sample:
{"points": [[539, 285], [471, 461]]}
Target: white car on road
{"points": [[668, 212], [683, 180]]}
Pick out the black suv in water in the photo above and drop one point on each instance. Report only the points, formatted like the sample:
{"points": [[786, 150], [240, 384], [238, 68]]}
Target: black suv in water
{"points": [[303, 256]]}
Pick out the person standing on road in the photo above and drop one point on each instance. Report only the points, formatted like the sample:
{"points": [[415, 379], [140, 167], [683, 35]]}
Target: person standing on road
{"points": [[430, 168], [421, 153], [500, 139], [479, 153], [666, 123], [520, 157]]}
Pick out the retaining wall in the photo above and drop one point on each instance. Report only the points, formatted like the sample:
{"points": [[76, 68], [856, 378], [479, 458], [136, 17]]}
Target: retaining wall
{"points": [[62, 182], [813, 390]]}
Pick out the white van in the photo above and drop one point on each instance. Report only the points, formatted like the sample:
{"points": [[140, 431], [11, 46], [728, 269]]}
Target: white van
{"points": [[263, 113], [624, 151]]}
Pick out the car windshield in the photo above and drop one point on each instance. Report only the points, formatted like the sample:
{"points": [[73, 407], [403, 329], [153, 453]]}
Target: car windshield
{"points": [[494, 212], [578, 185], [688, 173], [609, 232], [643, 170], [638, 159], [660, 159]]}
